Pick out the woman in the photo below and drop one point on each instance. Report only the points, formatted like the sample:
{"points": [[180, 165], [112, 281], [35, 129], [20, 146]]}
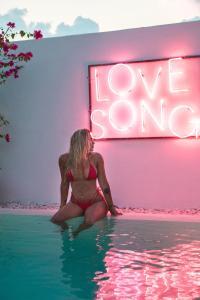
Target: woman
{"points": [[80, 168]]}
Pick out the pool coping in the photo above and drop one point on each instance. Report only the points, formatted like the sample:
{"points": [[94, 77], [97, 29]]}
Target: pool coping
{"points": [[177, 216]]}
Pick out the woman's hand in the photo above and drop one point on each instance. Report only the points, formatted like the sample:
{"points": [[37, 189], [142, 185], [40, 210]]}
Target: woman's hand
{"points": [[114, 211]]}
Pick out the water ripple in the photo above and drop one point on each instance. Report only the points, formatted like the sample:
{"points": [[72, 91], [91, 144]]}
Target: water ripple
{"points": [[135, 275]]}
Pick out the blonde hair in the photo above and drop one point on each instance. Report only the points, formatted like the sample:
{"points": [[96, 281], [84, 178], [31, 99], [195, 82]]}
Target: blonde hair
{"points": [[79, 148]]}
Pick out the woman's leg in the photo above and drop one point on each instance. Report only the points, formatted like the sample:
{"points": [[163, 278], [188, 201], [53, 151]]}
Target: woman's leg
{"points": [[95, 212], [70, 210]]}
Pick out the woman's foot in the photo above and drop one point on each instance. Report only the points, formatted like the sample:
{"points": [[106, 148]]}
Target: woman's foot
{"points": [[64, 225]]}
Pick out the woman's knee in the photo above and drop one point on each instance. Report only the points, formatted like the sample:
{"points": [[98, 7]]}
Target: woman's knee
{"points": [[53, 219], [89, 220], [56, 218]]}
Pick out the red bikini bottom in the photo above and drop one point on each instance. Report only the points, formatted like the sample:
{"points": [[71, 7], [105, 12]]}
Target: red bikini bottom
{"points": [[84, 204]]}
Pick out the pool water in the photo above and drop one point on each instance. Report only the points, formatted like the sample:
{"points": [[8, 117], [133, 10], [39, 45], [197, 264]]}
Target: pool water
{"points": [[115, 259]]}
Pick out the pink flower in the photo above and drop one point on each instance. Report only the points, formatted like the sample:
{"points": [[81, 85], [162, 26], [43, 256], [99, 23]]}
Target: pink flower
{"points": [[29, 54], [5, 47], [37, 34], [14, 46], [8, 73], [10, 24], [7, 138], [21, 54], [12, 55], [25, 56], [10, 62]]}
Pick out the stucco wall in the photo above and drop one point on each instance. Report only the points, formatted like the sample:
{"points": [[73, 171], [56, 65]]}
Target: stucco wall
{"points": [[50, 100]]}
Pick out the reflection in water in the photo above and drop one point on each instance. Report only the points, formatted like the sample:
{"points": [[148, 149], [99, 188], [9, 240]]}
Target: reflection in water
{"points": [[114, 259], [83, 257], [144, 269], [125, 259], [168, 274]]}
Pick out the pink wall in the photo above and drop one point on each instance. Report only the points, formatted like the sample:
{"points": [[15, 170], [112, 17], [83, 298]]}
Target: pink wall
{"points": [[50, 100], [154, 173]]}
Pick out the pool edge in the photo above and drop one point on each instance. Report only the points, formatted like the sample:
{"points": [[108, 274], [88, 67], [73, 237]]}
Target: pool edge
{"points": [[178, 217]]}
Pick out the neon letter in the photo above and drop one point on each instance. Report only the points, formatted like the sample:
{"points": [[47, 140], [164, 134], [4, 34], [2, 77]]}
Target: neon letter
{"points": [[145, 108], [99, 125], [121, 92], [151, 92], [172, 114], [196, 122], [96, 75], [116, 106], [173, 74]]}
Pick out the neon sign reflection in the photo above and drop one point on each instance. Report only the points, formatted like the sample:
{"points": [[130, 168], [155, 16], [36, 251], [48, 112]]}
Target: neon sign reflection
{"points": [[152, 274]]}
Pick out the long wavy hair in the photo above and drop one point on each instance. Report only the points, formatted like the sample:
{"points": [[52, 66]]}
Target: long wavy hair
{"points": [[79, 148]]}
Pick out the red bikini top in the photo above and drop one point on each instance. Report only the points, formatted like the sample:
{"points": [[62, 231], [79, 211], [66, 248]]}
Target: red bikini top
{"points": [[91, 176]]}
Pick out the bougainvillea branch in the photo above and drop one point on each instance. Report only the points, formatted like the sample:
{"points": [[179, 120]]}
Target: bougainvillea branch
{"points": [[11, 61]]}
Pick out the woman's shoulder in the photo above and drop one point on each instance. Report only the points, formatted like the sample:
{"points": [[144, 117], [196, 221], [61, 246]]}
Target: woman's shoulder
{"points": [[96, 156], [63, 158]]}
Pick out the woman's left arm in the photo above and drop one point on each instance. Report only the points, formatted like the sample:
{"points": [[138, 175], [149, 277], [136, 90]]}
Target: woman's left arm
{"points": [[103, 182]]}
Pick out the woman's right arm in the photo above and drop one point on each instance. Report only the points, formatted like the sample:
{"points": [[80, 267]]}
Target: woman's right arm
{"points": [[64, 185], [105, 186]]}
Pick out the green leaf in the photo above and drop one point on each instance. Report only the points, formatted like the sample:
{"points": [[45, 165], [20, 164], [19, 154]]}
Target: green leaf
{"points": [[22, 33]]}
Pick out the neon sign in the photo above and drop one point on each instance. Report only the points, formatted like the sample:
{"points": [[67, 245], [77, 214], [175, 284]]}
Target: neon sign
{"points": [[144, 99]]}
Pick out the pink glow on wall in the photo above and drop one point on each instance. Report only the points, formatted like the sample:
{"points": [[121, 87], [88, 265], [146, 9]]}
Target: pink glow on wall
{"points": [[175, 75], [159, 98]]}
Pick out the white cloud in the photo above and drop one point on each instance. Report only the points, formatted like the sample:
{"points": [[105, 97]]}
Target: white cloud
{"points": [[62, 17], [197, 18], [14, 15], [80, 26]]}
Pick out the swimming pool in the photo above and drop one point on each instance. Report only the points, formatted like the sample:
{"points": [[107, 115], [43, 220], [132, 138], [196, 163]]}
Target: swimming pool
{"points": [[115, 259]]}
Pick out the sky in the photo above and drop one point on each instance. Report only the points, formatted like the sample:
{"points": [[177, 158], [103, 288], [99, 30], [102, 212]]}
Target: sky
{"points": [[64, 17]]}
